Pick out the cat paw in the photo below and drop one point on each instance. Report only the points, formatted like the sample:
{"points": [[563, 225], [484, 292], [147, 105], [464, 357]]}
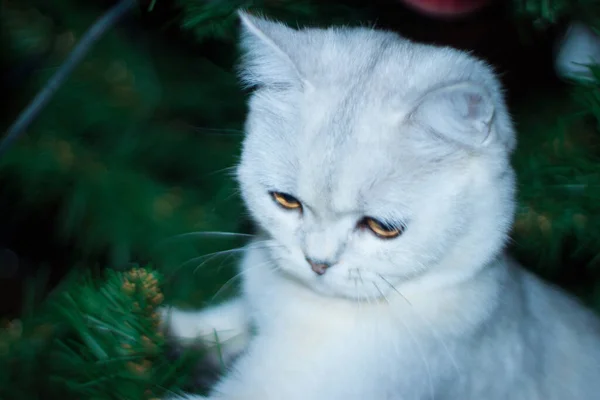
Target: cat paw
{"points": [[195, 327], [183, 326], [221, 330]]}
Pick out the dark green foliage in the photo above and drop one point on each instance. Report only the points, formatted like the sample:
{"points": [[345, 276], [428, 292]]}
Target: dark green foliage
{"points": [[219, 18], [546, 12], [96, 338], [116, 148], [556, 232]]}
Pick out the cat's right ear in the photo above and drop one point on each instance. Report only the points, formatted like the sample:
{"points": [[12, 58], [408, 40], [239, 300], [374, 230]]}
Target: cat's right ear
{"points": [[268, 53], [464, 113]]}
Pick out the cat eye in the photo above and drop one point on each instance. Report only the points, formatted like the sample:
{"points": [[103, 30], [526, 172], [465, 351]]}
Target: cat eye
{"points": [[381, 229], [286, 201]]}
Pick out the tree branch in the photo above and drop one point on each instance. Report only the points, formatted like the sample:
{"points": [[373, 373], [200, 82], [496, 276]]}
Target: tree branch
{"points": [[93, 34]]}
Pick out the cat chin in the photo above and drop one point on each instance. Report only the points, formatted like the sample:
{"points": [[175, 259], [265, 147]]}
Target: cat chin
{"points": [[336, 284], [360, 294], [341, 281]]}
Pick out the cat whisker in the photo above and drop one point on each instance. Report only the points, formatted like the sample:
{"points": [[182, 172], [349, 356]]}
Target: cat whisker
{"points": [[393, 288], [218, 131], [233, 278], [205, 258], [357, 294], [257, 245], [228, 170], [511, 240], [429, 325], [234, 192], [223, 261], [265, 243], [208, 257], [367, 296], [383, 296], [212, 234], [394, 258], [415, 342], [203, 234], [440, 340]]}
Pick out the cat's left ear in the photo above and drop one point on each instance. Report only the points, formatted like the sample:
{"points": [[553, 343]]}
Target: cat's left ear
{"points": [[462, 112], [270, 50]]}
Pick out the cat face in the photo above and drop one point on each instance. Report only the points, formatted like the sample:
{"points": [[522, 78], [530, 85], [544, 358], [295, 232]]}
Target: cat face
{"points": [[370, 161]]}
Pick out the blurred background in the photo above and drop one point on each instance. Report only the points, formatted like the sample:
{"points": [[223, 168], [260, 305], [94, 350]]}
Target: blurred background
{"points": [[131, 160]]}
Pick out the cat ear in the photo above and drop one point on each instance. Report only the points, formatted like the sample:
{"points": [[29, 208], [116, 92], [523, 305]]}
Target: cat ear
{"points": [[462, 112], [268, 53]]}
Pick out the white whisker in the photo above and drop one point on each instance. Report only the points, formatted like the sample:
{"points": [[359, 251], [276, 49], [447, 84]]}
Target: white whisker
{"points": [[416, 343], [233, 278], [429, 325], [440, 340], [394, 288], [367, 296], [357, 294], [381, 293], [203, 234], [205, 258], [228, 170], [212, 234], [208, 257], [233, 193]]}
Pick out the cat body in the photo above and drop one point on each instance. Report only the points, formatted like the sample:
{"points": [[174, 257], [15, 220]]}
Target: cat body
{"points": [[515, 337], [378, 173]]}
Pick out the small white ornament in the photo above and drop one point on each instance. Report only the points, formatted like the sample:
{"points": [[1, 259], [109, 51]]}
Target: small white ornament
{"points": [[579, 48]]}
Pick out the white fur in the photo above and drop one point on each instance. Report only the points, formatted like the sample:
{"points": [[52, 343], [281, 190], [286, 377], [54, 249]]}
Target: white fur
{"points": [[359, 122]]}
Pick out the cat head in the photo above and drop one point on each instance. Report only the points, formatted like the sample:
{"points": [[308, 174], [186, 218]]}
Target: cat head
{"points": [[371, 161]]}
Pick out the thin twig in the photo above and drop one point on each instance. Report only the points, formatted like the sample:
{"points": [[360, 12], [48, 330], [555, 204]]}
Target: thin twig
{"points": [[95, 32]]}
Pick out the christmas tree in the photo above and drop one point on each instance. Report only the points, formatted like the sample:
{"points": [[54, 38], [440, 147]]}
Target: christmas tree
{"points": [[128, 164]]}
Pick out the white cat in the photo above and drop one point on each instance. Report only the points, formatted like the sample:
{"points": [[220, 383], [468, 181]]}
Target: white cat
{"points": [[378, 172]]}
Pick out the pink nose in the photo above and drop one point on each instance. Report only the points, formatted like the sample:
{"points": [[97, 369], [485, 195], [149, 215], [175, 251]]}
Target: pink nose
{"points": [[319, 267]]}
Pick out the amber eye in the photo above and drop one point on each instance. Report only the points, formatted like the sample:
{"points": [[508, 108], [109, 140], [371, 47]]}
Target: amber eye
{"points": [[382, 230], [286, 201]]}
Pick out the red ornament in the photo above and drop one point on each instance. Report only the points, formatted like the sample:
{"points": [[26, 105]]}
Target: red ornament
{"points": [[446, 8]]}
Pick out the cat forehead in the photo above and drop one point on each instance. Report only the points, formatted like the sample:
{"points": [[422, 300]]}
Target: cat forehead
{"points": [[340, 148], [345, 56], [352, 184], [341, 168]]}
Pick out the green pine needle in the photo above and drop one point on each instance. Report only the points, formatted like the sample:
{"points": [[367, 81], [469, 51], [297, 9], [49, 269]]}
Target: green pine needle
{"points": [[94, 349]]}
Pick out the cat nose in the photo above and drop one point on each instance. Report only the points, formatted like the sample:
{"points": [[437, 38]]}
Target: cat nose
{"points": [[318, 266]]}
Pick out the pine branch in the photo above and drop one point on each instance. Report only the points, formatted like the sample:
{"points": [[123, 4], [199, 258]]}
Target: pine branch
{"points": [[95, 338]]}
